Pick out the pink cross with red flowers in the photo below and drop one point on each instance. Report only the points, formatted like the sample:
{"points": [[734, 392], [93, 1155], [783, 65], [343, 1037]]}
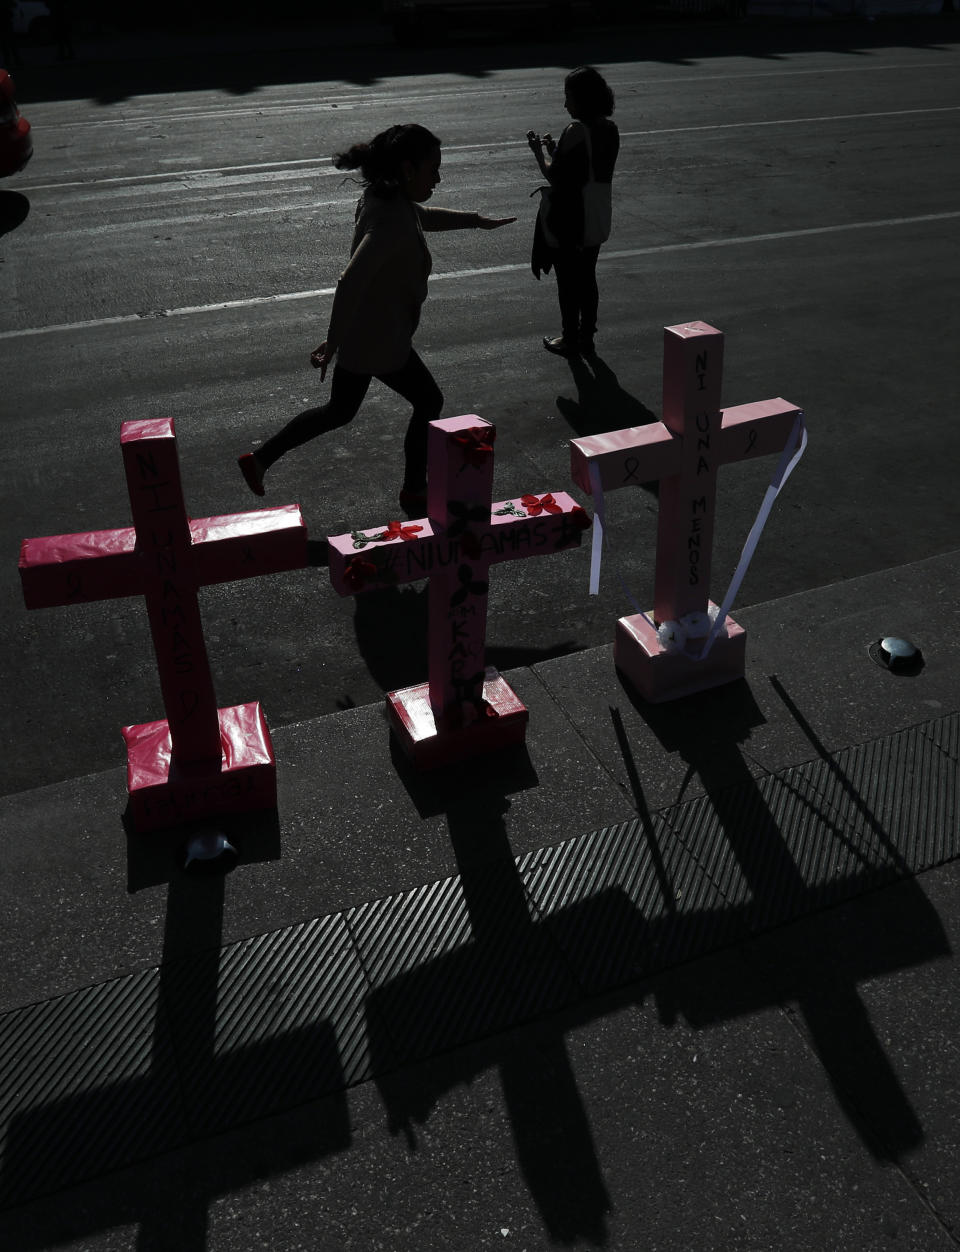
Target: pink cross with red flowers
{"points": [[464, 707]]}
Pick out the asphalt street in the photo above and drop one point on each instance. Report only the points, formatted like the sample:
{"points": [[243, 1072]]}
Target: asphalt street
{"points": [[176, 254], [675, 977]]}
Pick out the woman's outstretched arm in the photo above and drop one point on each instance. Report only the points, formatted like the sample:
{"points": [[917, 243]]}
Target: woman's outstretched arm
{"points": [[454, 219]]}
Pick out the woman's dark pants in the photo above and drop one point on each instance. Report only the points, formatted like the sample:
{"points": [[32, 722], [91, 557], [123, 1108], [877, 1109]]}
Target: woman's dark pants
{"points": [[413, 381], [577, 291]]}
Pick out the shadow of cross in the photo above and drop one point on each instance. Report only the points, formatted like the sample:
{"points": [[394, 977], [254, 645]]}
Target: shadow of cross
{"points": [[546, 941], [783, 850], [464, 707], [683, 452], [185, 1063], [457, 966], [200, 760], [464, 960]]}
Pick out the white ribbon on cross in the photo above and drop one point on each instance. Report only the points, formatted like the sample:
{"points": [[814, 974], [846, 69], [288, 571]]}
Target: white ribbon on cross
{"points": [[793, 450], [596, 550]]}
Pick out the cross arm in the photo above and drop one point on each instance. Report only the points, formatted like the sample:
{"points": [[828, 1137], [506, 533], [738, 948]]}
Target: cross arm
{"points": [[365, 560], [757, 429], [74, 569], [624, 458], [105, 564], [246, 545], [533, 526]]}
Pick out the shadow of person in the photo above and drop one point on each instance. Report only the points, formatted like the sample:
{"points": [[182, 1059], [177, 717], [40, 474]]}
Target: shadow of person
{"points": [[601, 404], [491, 964], [14, 210], [771, 859]]}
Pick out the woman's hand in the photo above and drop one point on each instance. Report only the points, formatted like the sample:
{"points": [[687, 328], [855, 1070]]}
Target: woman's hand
{"points": [[537, 146], [320, 358], [491, 223]]}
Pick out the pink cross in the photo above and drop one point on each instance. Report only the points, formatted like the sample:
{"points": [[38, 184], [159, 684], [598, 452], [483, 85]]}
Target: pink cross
{"points": [[200, 760], [683, 452], [464, 708]]}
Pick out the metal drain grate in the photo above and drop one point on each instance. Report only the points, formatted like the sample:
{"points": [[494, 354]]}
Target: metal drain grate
{"points": [[128, 1069], [622, 901], [88, 1085], [453, 962], [286, 1025], [905, 789]]}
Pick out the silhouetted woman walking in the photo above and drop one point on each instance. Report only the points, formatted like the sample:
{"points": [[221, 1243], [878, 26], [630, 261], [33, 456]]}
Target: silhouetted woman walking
{"points": [[576, 221], [376, 308]]}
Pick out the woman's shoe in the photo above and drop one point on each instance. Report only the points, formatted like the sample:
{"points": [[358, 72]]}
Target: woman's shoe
{"points": [[586, 346], [413, 501], [560, 346], [252, 473]]}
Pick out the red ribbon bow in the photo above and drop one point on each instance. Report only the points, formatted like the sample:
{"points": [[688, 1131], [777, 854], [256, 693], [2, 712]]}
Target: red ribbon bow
{"points": [[477, 443], [540, 504], [399, 530], [357, 571]]}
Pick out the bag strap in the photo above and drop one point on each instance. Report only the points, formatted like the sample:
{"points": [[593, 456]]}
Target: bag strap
{"points": [[586, 131]]}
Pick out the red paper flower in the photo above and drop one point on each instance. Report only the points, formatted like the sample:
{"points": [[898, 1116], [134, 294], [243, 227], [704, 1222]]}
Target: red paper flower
{"points": [[476, 444], [357, 571], [399, 530], [540, 504], [580, 517]]}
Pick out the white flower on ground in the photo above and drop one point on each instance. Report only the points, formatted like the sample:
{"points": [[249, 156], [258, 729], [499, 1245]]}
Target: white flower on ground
{"points": [[697, 625], [671, 636]]}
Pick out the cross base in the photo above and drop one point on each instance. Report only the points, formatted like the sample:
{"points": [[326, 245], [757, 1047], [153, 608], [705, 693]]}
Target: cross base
{"points": [[658, 675], [166, 793], [412, 721]]}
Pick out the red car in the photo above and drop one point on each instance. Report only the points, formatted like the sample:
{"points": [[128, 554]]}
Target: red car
{"points": [[16, 146]]}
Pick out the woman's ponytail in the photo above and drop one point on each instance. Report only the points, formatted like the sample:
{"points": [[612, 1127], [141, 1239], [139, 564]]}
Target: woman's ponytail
{"points": [[353, 158], [380, 161]]}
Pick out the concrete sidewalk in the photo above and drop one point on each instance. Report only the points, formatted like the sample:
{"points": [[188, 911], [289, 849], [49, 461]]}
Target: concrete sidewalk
{"points": [[672, 977]]}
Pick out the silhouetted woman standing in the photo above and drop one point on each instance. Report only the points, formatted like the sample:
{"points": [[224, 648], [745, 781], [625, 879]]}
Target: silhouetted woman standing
{"points": [[587, 151], [376, 308]]}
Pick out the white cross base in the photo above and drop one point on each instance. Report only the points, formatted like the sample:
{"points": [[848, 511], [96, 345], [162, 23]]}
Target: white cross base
{"points": [[658, 673]]}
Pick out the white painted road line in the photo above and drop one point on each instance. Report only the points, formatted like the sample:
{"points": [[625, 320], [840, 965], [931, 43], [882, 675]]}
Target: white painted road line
{"points": [[186, 180], [514, 268], [348, 100]]}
